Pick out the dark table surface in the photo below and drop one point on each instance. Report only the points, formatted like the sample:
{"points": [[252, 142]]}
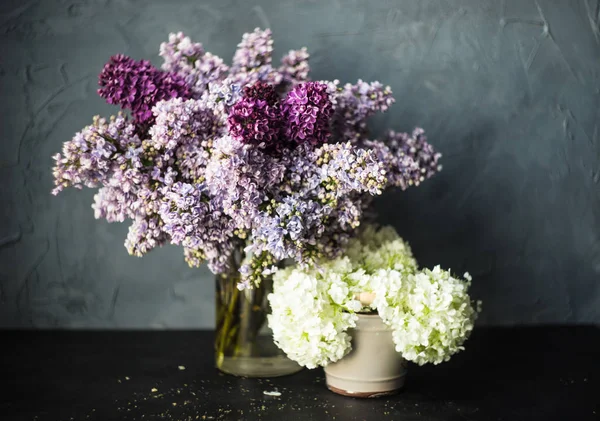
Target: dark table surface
{"points": [[546, 373]]}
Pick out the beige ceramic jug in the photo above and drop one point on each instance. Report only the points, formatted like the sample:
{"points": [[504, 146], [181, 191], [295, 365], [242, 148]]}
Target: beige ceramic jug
{"points": [[373, 367]]}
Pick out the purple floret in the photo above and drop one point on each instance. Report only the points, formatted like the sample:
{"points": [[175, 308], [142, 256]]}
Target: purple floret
{"points": [[255, 119], [307, 110], [137, 86]]}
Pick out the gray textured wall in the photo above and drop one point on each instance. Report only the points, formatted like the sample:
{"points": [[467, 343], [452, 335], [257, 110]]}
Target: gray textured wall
{"points": [[508, 91]]}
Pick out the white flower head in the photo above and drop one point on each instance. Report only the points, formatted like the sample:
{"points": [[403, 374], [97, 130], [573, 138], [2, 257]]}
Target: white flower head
{"points": [[429, 311]]}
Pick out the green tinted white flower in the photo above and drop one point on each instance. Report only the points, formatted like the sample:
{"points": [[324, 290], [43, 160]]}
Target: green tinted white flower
{"points": [[307, 324], [429, 311]]}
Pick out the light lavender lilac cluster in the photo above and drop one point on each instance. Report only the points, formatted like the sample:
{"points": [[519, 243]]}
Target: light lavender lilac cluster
{"points": [[246, 158], [189, 61], [355, 103]]}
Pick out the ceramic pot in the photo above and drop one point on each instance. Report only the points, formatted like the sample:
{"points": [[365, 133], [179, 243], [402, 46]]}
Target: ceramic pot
{"points": [[373, 367]]}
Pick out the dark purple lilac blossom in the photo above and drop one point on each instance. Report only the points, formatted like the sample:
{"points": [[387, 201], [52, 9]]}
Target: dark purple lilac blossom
{"points": [[306, 111], [137, 86], [256, 119]]}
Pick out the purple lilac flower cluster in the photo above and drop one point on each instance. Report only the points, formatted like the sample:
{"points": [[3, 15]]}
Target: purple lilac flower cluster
{"points": [[317, 206], [415, 147], [183, 132], [145, 233], [250, 159], [304, 116], [307, 112], [255, 119], [189, 60], [354, 104], [114, 204], [190, 219], [137, 85], [408, 158], [294, 67], [91, 158], [240, 177], [252, 61], [254, 51]]}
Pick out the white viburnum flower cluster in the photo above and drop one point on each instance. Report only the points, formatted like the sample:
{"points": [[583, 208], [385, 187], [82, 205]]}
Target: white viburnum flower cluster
{"points": [[306, 323], [429, 311]]}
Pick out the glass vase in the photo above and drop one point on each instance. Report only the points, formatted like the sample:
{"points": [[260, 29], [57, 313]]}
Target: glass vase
{"points": [[244, 344]]}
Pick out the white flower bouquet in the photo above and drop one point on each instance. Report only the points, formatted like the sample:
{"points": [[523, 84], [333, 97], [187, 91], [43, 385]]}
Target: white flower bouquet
{"points": [[429, 311]]}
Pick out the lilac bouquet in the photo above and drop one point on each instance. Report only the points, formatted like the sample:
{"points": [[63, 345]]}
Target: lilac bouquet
{"points": [[252, 158]]}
